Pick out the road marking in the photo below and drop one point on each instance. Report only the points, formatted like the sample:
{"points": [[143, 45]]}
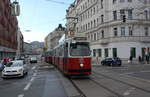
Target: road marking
{"points": [[27, 86], [21, 95], [127, 73], [128, 91], [145, 71], [34, 74], [33, 67], [32, 79]]}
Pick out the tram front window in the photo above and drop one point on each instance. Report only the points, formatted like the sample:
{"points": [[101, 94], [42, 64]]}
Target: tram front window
{"points": [[79, 49]]}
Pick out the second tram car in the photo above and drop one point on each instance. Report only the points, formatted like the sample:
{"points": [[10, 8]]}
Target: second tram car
{"points": [[72, 56]]}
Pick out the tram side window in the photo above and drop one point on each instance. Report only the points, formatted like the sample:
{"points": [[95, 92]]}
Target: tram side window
{"points": [[66, 50]]}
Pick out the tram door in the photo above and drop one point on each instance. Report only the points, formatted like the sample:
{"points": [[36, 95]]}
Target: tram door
{"points": [[65, 58]]}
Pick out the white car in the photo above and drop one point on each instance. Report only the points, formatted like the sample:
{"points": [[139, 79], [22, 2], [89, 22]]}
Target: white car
{"points": [[15, 69]]}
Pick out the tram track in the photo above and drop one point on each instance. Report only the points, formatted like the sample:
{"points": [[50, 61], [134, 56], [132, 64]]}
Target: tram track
{"points": [[106, 88], [117, 80], [81, 94]]}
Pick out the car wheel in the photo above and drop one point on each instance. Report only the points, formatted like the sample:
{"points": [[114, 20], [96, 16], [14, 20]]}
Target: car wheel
{"points": [[26, 73], [119, 64], [111, 64]]}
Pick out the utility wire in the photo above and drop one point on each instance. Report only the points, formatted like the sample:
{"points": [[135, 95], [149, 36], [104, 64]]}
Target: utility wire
{"points": [[58, 2]]}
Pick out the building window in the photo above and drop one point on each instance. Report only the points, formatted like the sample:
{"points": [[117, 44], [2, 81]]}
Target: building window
{"points": [[94, 52], [122, 1], [115, 32], [91, 11], [91, 37], [129, 0], [98, 36], [94, 23], [146, 14], [122, 31], [115, 15], [99, 52], [144, 1], [91, 24], [122, 13], [101, 4], [130, 31], [97, 22], [133, 52], [94, 10], [114, 52], [130, 14], [97, 9], [114, 1], [88, 36], [102, 18], [106, 52], [102, 33], [146, 31], [88, 25], [94, 36]]}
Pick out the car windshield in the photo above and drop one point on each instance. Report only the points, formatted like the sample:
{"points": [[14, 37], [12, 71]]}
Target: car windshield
{"points": [[79, 49], [109, 59], [14, 64]]}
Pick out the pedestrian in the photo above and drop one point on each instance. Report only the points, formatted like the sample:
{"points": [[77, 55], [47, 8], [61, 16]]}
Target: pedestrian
{"points": [[130, 59], [140, 59], [147, 59], [4, 61]]}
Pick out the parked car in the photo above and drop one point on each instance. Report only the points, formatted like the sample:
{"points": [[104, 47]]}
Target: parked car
{"points": [[14, 69], [33, 60], [112, 61], [20, 58]]}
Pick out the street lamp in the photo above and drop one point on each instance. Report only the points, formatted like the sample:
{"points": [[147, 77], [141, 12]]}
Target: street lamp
{"points": [[15, 7]]}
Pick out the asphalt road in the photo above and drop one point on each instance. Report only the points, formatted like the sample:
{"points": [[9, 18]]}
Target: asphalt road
{"points": [[129, 80], [141, 71], [42, 81]]}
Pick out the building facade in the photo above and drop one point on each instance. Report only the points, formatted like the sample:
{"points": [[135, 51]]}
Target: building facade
{"points": [[8, 30], [20, 48], [115, 28], [52, 39], [27, 48]]}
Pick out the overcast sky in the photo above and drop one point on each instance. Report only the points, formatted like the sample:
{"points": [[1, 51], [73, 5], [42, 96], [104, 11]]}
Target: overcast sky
{"points": [[41, 17]]}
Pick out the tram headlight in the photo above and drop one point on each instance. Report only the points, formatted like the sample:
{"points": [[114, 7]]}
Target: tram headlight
{"points": [[81, 65]]}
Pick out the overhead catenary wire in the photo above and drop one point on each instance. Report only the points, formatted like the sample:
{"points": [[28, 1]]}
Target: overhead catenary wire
{"points": [[58, 2]]}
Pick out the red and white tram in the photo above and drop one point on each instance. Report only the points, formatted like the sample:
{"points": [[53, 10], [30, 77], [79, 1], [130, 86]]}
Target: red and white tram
{"points": [[72, 56]]}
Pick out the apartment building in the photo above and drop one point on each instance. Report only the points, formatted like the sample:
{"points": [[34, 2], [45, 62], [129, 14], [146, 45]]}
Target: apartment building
{"points": [[20, 40], [52, 39], [8, 30], [115, 28]]}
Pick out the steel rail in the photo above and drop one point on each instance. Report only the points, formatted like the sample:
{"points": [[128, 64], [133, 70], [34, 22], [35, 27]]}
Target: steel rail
{"points": [[131, 85]]}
